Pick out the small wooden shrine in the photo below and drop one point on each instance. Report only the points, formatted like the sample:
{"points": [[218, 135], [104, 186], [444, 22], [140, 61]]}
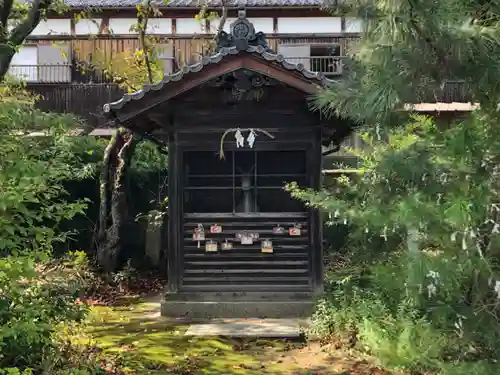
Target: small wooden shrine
{"points": [[238, 126]]}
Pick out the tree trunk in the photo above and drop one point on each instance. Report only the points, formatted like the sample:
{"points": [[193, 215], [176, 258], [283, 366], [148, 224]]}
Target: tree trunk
{"points": [[6, 55], [113, 213]]}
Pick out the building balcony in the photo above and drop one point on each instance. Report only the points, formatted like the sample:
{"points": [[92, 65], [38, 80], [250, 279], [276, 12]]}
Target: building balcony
{"points": [[328, 65], [55, 74]]}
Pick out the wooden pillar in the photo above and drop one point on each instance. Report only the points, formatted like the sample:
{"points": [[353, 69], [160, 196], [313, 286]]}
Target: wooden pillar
{"points": [[315, 217], [174, 215]]}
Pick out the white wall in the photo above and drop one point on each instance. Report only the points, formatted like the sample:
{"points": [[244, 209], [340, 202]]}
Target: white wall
{"points": [[159, 26], [121, 26], [309, 25], [23, 65], [189, 26], [54, 26], [265, 25], [87, 26]]}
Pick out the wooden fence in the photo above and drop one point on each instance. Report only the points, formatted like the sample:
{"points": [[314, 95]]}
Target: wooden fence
{"points": [[83, 100]]}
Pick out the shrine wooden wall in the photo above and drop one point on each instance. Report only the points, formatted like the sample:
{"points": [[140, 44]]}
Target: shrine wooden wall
{"points": [[200, 119]]}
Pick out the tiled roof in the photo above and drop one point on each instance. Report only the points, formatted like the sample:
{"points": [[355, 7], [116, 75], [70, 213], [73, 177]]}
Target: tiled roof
{"points": [[214, 59], [197, 3]]}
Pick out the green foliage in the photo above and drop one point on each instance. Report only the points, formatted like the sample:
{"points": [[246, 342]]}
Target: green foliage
{"points": [[419, 282], [36, 294], [32, 171], [34, 299], [409, 48], [15, 371], [420, 309], [149, 158]]}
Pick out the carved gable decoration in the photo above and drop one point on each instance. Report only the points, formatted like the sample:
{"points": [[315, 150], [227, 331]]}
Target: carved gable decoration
{"points": [[242, 35]]}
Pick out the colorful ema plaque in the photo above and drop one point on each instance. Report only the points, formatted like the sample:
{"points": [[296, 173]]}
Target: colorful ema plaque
{"points": [[295, 230], [266, 246], [278, 230], [211, 246], [215, 228]]}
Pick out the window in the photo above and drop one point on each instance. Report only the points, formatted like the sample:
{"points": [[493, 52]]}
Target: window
{"points": [[245, 181]]}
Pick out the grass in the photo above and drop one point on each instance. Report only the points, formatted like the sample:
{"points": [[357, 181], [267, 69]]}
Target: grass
{"points": [[149, 344]]}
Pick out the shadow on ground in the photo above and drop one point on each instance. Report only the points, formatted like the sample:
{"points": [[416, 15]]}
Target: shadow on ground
{"points": [[149, 344]]}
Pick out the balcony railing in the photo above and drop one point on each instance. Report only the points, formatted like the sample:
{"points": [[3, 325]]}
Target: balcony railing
{"points": [[57, 73], [74, 73], [328, 65]]}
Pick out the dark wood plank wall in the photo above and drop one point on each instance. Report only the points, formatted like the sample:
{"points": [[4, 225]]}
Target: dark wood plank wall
{"points": [[200, 120]]}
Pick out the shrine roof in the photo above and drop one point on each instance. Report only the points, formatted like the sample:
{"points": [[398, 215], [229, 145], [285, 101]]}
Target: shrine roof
{"points": [[215, 59], [241, 40]]}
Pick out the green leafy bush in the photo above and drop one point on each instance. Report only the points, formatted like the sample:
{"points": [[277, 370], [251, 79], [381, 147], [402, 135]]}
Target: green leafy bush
{"points": [[419, 284], [36, 293]]}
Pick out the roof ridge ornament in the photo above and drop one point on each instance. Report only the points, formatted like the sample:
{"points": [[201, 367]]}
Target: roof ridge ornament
{"points": [[242, 35]]}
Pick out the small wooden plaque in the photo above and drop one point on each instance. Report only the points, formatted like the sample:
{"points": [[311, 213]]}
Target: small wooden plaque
{"points": [[211, 246], [227, 245], [266, 246], [246, 239], [278, 230], [294, 231], [215, 228], [198, 236]]}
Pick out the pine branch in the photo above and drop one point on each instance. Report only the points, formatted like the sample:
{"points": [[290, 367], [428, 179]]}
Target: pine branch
{"points": [[442, 57]]}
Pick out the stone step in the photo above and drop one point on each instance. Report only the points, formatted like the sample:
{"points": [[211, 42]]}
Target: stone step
{"points": [[262, 328], [241, 296], [237, 309]]}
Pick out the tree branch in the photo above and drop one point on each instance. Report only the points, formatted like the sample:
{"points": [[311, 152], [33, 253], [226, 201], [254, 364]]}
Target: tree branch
{"points": [[142, 19], [5, 11], [20, 32], [31, 21]]}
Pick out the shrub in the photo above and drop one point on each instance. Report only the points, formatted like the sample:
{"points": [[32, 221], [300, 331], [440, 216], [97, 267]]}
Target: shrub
{"points": [[35, 297], [33, 303], [419, 283]]}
